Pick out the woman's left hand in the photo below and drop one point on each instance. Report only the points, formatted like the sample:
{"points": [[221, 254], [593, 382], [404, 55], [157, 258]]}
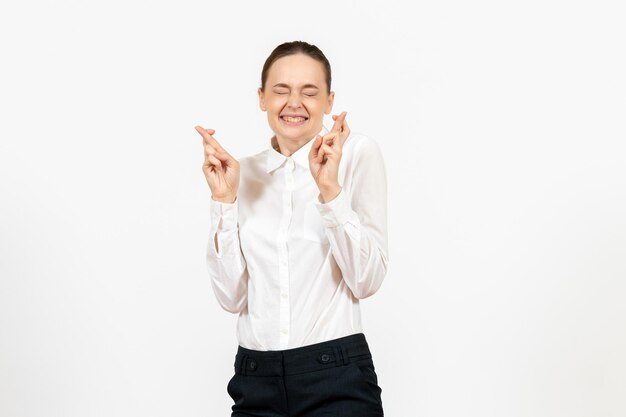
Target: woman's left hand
{"points": [[325, 156]]}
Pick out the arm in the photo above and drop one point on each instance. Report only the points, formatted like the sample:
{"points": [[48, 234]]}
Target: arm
{"points": [[356, 225], [225, 262]]}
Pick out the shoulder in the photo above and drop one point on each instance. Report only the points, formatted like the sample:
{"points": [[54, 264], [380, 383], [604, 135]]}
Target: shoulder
{"points": [[250, 162], [359, 145]]}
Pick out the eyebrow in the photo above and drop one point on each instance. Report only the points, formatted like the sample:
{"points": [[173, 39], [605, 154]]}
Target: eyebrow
{"points": [[304, 86]]}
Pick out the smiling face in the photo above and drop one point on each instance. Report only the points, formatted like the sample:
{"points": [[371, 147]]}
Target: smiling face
{"points": [[296, 86]]}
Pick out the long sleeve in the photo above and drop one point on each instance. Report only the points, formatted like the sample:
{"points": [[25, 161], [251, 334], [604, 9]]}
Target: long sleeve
{"points": [[356, 224], [227, 268]]}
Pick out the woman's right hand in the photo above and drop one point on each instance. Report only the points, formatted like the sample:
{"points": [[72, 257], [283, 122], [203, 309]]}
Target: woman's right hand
{"points": [[220, 168]]}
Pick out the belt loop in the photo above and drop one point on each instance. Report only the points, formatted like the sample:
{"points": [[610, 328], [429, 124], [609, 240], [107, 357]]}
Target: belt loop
{"points": [[282, 364], [244, 359], [336, 355], [344, 355], [341, 357]]}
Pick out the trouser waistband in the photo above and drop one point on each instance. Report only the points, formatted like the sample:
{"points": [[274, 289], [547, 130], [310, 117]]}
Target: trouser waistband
{"points": [[336, 352]]}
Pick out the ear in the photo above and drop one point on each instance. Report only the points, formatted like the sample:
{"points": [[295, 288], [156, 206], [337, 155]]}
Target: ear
{"points": [[329, 103], [261, 99]]}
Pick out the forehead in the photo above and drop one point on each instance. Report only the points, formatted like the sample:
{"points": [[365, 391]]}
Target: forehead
{"points": [[296, 70]]}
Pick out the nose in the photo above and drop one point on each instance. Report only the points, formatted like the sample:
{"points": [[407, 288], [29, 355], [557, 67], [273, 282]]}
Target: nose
{"points": [[294, 100]]}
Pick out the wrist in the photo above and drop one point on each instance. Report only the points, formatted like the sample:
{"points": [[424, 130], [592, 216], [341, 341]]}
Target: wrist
{"points": [[225, 199], [330, 193]]}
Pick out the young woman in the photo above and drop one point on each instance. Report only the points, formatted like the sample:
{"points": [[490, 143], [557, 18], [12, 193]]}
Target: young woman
{"points": [[295, 244]]}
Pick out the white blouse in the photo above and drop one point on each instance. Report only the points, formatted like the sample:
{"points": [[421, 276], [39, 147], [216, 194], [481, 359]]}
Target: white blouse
{"points": [[294, 268]]}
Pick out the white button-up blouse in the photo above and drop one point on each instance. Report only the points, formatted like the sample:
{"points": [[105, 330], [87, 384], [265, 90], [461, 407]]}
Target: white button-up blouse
{"points": [[293, 267]]}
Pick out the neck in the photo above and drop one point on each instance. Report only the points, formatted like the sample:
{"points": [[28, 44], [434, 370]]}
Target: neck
{"points": [[286, 146]]}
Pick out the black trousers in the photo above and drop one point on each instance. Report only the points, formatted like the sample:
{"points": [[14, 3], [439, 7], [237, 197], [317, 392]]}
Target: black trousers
{"points": [[335, 378]]}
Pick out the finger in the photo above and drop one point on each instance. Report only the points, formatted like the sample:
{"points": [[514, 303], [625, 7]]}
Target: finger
{"points": [[204, 131], [214, 161], [219, 148], [330, 137], [335, 116], [328, 150], [336, 144], [213, 142], [319, 151], [325, 153], [222, 156], [338, 122], [345, 130], [315, 147], [208, 149], [344, 123], [320, 156], [208, 139], [207, 134]]}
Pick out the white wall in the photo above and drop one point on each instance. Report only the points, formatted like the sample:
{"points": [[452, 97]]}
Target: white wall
{"points": [[502, 125]]}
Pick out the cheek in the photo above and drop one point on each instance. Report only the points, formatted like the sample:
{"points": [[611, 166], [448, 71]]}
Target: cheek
{"points": [[316, 106], [276, 106], [315, 111]]}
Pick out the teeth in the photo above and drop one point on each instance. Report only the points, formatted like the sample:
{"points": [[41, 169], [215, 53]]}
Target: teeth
{"points": [[293, 119]]}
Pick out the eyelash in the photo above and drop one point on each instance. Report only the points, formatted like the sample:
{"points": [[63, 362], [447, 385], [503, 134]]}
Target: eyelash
{"points": [[308, 95]]}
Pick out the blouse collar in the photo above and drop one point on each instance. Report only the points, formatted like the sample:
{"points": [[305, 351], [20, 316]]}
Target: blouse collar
{"points": [[301, 156]]}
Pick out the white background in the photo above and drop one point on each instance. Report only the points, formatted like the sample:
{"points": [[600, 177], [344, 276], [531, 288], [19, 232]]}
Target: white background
{"points": [[502, 127]]}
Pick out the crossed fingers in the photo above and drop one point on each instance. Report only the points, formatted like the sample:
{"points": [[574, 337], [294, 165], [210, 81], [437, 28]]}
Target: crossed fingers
{"points": [[339, 121], [210, 144], [341, 126], [213, 151]]}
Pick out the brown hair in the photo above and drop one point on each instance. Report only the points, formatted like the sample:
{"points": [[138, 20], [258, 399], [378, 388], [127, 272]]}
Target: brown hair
{"points": [[295, 47]]}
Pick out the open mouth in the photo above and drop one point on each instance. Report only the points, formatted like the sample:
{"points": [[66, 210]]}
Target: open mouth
{"points": [[294, 121]]}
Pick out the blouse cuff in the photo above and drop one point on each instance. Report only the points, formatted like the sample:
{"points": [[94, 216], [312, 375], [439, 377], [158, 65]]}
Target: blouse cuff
{"points": [[224, 216], [335, 212]]}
